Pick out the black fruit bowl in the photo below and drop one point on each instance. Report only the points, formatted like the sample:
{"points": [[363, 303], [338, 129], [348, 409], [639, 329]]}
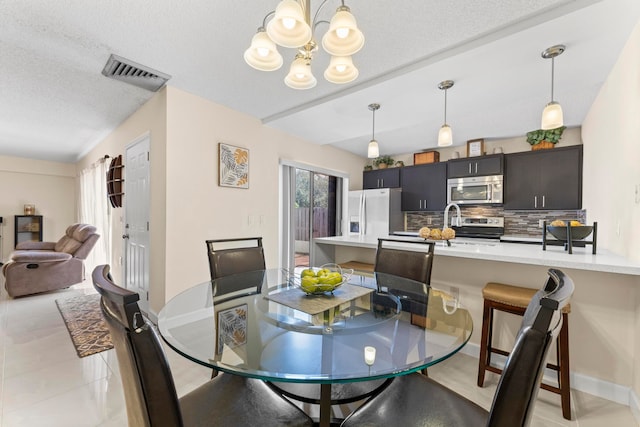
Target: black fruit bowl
{"points": [[577, 232]]}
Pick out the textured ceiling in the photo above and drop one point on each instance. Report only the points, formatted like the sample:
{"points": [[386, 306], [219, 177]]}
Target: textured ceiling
{"points": [[55, 104]]}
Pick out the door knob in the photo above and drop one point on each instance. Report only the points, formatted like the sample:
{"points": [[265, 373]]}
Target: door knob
{"points": [[125, 236]]}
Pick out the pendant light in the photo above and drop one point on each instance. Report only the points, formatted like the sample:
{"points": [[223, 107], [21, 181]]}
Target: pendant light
{"points": [[552, 114], [445, 136], [373, 151]]}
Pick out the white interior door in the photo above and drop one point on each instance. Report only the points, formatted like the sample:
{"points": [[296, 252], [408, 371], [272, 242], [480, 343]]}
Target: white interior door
{"points": [[136, 229]]}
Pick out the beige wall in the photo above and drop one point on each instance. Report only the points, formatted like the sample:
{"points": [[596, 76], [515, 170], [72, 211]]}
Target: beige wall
{"points": [[187, 205], [611, 163], [612, 155], [198, 209], [150, 118], [50, 186], [612, 166]]}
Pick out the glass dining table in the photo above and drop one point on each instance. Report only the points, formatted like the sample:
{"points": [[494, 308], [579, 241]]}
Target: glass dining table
{"points": [[262, 325]]}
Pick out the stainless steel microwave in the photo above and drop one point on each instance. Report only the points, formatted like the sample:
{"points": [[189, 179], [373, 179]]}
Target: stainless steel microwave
{"points": [[475, 190]]}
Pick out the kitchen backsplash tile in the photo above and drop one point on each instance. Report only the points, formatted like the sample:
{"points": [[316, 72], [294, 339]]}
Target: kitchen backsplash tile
{"points": [[524, 223]]}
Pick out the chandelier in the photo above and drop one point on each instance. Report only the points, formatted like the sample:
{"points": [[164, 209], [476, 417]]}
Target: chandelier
{"points": [[291, 26]]}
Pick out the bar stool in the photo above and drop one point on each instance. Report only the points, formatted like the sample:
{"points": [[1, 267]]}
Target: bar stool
{"points": [[514, 300]]}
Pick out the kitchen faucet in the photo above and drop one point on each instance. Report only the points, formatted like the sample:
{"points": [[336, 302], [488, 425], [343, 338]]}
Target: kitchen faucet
{"points": [[458, 220]]}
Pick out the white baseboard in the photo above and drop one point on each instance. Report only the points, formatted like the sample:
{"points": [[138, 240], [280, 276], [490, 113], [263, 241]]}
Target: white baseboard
{"points": [[604, 389], [634, 404]]}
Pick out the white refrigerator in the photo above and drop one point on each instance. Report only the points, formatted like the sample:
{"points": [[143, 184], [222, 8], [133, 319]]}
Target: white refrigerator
{"points": [[375, 213]]}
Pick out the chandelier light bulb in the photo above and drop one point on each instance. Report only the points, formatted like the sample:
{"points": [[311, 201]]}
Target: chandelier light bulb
{"points": [[342, 33], [288, 23]]}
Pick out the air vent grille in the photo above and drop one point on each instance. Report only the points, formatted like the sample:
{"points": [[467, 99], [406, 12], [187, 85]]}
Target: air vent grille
{"points": [[127, 71]]}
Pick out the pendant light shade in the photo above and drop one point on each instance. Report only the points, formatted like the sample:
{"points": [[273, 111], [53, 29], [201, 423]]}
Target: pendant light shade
{"points": [[373, 150], [552, 116], [288, 27], [263, 54], [300, 75], [445, 135], [341, 70], [343, 38]]}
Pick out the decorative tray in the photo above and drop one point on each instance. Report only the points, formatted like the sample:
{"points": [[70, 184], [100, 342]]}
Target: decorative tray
{"points": [[320, 280]]}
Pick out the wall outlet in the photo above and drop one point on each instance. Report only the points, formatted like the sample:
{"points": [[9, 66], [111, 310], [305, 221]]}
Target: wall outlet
{"points": [[429, 220], [540, 223]]}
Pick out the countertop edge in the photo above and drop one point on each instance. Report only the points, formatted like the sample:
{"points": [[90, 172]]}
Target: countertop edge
{"points": [[604, 261]]}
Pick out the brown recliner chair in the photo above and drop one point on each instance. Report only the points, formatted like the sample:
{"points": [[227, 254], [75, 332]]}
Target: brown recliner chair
{"points": [[46, 266]]}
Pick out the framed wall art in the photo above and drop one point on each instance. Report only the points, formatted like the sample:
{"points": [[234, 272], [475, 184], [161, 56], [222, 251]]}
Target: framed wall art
{"points": [[475, 147], [232, 327], [233, 166]]}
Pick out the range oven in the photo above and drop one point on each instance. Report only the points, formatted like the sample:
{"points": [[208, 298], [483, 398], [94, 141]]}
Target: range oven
{"points": [[475, 190], [480, 227]]}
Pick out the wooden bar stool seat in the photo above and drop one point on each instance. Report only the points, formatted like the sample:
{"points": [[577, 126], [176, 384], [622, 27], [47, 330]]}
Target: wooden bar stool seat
{"points": [[514, 300]]}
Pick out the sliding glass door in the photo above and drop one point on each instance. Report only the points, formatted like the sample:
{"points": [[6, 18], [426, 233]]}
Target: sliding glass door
{"points": [[313, 210]]}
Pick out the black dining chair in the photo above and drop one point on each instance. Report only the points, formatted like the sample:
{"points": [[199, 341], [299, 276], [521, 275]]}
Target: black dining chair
{"points": [[413, 261], [150, 393], [416, 400], [228, 257], [236, 255]]}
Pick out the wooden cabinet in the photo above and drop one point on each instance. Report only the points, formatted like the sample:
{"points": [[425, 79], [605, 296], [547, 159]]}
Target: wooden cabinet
{"points": [[381, 178], [475, 166], [424, 187], [28, 228], [544, 179]]}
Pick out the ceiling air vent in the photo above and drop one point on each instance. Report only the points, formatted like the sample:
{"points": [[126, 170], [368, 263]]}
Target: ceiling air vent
{"points": [[122, 69]]}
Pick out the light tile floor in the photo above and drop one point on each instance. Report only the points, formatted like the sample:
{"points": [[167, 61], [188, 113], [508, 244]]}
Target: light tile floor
{"points": [[44, 383]]}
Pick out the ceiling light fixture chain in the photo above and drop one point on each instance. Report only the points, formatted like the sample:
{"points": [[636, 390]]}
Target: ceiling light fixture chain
{"points": [[445, 135], [552, 116], [291, 26]]}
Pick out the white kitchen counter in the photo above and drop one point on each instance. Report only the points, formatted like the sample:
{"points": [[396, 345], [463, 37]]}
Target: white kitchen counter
{"points": [[554, 256]]}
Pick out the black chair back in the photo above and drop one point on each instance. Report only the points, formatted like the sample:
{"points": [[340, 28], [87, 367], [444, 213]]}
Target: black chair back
{"points": [[149, 389], [232, 260], [415, 265], [520, 381]]}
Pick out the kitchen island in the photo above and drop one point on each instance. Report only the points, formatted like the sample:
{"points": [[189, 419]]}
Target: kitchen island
{"points": [[605, 306]]}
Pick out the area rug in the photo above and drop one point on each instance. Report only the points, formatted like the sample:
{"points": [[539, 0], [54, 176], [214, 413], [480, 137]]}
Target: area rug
{"points": [[83, 318]]}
